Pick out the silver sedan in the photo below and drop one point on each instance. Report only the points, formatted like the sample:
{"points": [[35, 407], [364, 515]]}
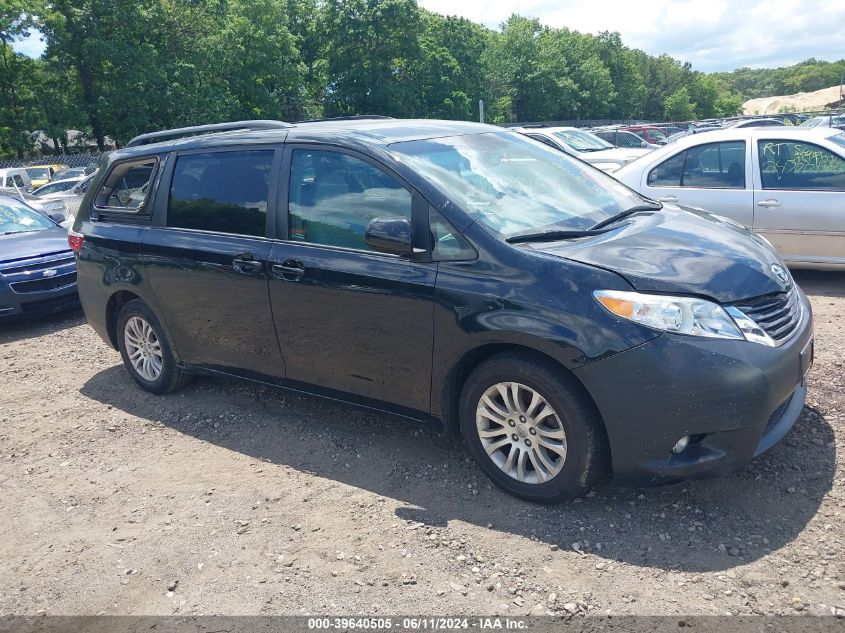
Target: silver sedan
{"points": [[785, 183]]}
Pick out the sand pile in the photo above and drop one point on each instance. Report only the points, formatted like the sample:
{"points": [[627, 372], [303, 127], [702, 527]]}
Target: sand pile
{"points": [[800, 102]]}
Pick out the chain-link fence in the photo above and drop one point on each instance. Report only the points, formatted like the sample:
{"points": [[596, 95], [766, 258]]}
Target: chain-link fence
{"points": [[71, 160]]}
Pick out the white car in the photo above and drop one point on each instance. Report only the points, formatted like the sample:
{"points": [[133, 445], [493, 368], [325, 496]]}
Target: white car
{"points": [[56, 187], [15, 177], [584, 145], [785, 183]]}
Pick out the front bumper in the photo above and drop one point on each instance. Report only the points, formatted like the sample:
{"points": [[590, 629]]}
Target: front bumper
{"points": [[735, 399]]}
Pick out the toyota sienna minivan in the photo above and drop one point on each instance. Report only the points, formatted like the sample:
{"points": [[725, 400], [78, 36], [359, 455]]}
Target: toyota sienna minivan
{"points": [[450, 272]]}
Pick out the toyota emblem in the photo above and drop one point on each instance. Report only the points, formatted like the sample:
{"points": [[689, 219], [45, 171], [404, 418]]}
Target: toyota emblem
{"points": [[781, 274]]}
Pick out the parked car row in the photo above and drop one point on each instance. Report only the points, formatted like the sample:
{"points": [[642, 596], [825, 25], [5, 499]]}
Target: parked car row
{"points": [[584, 145]]}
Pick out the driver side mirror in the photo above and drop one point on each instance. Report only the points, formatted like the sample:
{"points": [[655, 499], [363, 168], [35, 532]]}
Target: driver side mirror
{"points": [[643, 144], [389, 235]]}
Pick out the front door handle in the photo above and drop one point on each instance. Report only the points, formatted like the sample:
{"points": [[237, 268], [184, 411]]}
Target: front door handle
{"points": [[288, 270], [771, 203], [246, 264], [669, 199]]}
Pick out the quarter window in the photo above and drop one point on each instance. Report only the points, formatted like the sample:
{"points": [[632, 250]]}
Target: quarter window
{"points": [[224, 192], [126, 187], [334, 196], [801, 166]]}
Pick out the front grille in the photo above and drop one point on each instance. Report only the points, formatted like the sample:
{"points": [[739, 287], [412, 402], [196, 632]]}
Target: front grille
{"points": [[44, 283], [42, 273], [777, 314]]}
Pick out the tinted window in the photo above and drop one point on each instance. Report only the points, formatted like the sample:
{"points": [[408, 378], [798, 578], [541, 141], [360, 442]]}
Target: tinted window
{"points": [[224, 192], [715, 166], [791, 165], [19, 181], [127, 185], [668, 173], [333, 196]]}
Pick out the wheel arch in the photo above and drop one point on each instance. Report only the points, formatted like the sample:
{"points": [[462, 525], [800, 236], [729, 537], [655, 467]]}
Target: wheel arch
{"points": [[115, 303], [461, 370]]}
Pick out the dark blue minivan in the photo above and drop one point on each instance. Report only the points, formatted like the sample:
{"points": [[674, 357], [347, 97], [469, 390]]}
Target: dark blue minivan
{"points": [[452, 272]]}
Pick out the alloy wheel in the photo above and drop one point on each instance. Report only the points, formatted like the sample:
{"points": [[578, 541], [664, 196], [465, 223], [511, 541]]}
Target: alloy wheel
{"points": [[521, 432], [143, 348]]}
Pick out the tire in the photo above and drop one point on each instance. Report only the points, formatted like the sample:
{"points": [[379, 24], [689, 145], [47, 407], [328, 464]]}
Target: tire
{"points": [[162, 374], [575, 460]]}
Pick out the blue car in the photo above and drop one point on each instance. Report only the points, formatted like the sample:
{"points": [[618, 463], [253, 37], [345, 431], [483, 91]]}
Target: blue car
{"points": [[37, 269]]}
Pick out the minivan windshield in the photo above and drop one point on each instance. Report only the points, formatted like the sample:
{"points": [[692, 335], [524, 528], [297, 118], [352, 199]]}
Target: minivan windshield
{"points": [[512, 184], [582, 141], [15, 217]]}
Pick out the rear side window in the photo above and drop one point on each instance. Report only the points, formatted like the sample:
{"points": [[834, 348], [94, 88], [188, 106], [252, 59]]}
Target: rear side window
{"points": [[224, 192], [715, 166], [800, 166], [707, 166], [127, 186], [334, 196]]}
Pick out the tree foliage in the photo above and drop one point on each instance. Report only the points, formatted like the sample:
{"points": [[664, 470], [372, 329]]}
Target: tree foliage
{"points": [[121, 67]]}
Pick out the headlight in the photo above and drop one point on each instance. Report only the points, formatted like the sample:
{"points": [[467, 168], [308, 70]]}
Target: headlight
{"points": [[682, 315]]}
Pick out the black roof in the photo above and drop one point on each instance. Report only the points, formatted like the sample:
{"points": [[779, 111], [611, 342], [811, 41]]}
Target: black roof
{"points": [[357, 131]]}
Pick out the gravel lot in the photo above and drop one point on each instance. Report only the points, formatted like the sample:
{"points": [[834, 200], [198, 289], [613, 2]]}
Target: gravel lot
{"points": [[234, 499]]}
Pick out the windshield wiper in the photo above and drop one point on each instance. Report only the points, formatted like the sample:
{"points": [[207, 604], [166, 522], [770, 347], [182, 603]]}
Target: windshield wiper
{"points": [[550, 236], [640, 208]]}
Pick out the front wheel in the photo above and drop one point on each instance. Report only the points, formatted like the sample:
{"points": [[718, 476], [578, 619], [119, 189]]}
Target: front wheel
{"points": [[531, 429], [145, 350]]}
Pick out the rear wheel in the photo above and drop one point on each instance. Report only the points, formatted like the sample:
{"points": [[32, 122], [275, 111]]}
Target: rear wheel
{"points": [[531, 429], [145, 351]]}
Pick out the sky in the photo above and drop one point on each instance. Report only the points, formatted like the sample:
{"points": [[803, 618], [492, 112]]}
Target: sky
{"points": [[710, 34]]}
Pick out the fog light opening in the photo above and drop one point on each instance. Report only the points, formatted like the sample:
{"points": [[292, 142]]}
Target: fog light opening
{"points": [[681, 444]]}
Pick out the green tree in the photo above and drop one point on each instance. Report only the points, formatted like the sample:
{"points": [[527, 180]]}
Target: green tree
{"points": [[678, 106], [19, 111], [371, 49]]}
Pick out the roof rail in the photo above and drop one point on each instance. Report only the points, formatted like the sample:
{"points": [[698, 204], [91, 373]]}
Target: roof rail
{"points": [[352, 117], [152, 137]]}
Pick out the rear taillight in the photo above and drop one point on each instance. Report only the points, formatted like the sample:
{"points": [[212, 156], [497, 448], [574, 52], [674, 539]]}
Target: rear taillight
{"points": [[75, 240]]}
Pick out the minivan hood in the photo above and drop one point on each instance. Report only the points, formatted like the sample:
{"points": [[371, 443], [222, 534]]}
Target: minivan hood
{"points": [[682, 252], [22, 245]]}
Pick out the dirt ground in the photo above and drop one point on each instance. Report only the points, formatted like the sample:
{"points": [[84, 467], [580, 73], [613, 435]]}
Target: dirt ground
{"points": [[228, 498]]}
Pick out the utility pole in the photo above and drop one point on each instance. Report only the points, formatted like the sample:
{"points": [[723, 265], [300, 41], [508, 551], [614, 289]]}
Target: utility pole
{"points": [[481, 110]]}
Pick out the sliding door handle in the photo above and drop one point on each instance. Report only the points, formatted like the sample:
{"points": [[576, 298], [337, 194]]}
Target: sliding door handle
{"points": [[288, 270], [246, 264]]}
